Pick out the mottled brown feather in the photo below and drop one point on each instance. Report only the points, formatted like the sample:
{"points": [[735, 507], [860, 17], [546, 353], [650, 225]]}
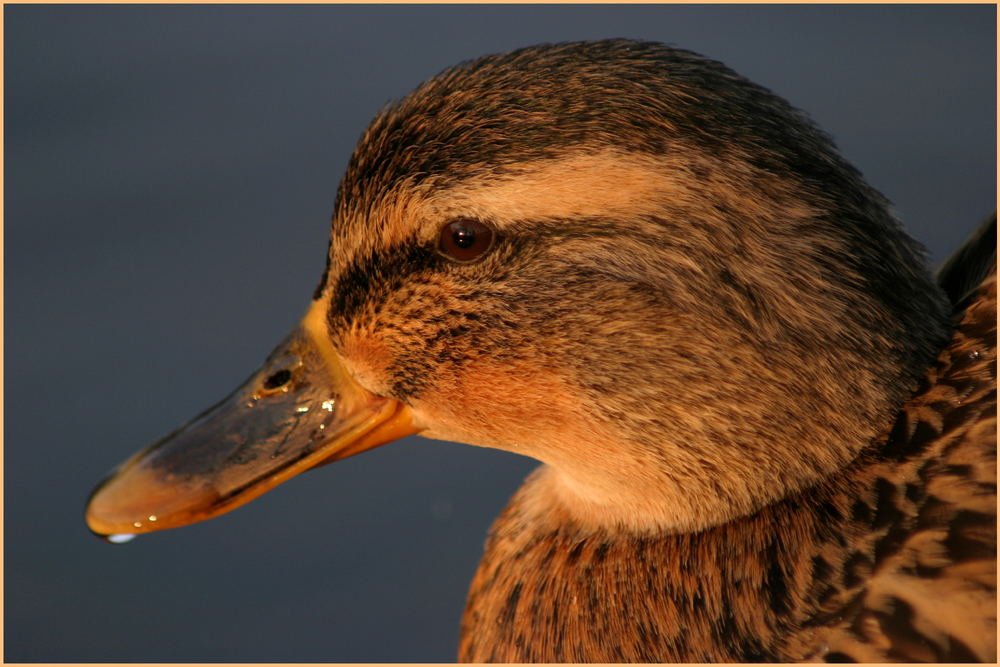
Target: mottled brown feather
{"points": [[894, 559]]}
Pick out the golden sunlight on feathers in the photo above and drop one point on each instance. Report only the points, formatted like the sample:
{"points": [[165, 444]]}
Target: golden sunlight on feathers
{"points": [[767, 433]]}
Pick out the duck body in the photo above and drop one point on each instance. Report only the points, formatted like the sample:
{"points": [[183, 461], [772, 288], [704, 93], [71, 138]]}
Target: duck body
{"points": [[665, 284]]}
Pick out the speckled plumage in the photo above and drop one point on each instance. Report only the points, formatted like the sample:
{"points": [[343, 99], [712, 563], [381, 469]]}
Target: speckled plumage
{"points": [[892, 559]]}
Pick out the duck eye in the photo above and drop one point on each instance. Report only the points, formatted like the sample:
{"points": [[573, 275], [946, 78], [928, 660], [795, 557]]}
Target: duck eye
{"points": [[465, 240]]}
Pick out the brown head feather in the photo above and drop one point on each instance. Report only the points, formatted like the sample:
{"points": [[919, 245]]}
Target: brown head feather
{"points": [[719, 308]]}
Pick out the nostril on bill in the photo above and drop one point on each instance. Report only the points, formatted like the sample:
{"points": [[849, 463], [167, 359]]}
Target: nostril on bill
{"points": [[278, 379]]}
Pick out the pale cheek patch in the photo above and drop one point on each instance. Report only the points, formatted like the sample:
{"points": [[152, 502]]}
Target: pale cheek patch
{"points": [[515, 407]]}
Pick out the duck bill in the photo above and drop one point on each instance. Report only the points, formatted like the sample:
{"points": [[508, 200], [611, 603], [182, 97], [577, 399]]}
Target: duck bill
{"points": [[299, 411]]}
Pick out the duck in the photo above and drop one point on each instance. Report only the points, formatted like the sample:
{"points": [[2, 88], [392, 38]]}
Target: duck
{"points": [[767, 432]]}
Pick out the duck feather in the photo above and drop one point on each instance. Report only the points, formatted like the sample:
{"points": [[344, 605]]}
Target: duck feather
{"points": [[893, 559]]}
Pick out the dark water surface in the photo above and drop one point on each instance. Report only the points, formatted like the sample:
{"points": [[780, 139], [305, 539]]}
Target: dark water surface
{"points": [[170, 171]]}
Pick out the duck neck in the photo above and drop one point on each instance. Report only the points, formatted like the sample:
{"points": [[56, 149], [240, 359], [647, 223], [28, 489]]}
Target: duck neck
{"points": [[552, 590], [647, 491], [625, 500]]}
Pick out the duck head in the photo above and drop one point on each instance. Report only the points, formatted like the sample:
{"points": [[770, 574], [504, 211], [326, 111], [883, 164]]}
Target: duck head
{"points": [[619, 258]]}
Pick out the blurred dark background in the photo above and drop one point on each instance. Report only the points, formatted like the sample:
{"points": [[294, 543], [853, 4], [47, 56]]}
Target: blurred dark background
{"points": [[170, 171]]}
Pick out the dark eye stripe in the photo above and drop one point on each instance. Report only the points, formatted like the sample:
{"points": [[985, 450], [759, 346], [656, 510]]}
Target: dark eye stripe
{"points": [[370, 278]]}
